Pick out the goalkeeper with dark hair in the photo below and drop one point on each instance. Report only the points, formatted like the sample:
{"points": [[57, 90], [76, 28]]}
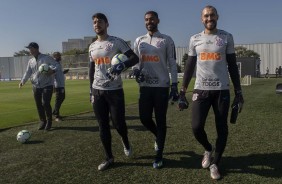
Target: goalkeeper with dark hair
{"points": [[106, 90], [156, 52], [212, 51]]}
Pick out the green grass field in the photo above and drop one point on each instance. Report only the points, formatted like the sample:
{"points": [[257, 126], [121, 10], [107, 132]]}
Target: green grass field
{"points": [[71, 152], [18, 106]]}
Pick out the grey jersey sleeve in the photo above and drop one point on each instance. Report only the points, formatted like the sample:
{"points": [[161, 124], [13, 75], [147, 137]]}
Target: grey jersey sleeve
{"points": [[171, 58]]}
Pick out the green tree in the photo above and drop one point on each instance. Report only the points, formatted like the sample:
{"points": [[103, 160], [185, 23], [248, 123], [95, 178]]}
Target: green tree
{"points": [[244, 52], [22, 53], [75, 52]]}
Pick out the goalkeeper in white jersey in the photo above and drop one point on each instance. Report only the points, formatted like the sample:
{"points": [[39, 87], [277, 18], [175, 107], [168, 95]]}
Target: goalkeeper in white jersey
{"points": [[107, 94], [156, 53], [212, 51]]}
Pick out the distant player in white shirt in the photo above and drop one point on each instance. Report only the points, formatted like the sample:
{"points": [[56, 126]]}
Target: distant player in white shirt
{"points": [[156, 53], [212, 51], [107, 94], [59, 86]]}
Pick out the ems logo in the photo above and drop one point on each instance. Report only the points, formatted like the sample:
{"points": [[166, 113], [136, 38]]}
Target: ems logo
{"points": [[109, 47], [219, 41]]}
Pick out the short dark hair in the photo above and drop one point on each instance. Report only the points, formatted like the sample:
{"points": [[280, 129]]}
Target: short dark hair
{"points": [[211, 7], [153, 13], [100, 16]]}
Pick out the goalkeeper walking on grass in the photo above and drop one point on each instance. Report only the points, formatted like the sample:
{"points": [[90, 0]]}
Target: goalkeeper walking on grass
{"points": [[156, 52], [106, 90], [212, 51]]}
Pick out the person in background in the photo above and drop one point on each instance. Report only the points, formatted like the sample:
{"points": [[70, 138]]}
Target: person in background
{"points": [[212, 53], [42, 84], [267, 73], [157, 58], [59, 86]]}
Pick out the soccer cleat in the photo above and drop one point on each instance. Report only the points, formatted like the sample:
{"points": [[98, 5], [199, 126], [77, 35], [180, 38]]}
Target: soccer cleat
{"points": [[156, 146], [106, 164], [158, 164], [127, 152], [48, 126], [206, 161], [58, 118], [214, 172], [41, 125]]}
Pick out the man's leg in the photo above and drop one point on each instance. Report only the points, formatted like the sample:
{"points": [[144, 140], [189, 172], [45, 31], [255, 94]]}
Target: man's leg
{"points": [[146, 109], [47, 96], [101, 110], [160, 109], [37, 94]]}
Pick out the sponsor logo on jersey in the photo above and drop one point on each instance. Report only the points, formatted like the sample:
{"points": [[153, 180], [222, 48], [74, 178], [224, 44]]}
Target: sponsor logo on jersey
{"points": [[210, 56], [102, 60], [150, 58], [152, 80], [211, 82], [209, 42], [109, 47]]}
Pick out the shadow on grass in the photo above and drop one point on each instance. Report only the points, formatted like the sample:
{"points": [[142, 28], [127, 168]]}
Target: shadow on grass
{"points": [[188, 160], [85, 128], [76, 118], [267, 165], [34, 142], [4, 129]]}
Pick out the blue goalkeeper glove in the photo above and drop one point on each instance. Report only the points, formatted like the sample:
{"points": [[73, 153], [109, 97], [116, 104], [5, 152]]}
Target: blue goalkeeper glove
{"points": [[139, 76], [173, 96], [182, 102], [115, 70]]}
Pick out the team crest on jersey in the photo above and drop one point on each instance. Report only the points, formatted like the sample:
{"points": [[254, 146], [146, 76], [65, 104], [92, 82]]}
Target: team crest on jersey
{"points": [[219, 41], [160, 43], [109, 47]]}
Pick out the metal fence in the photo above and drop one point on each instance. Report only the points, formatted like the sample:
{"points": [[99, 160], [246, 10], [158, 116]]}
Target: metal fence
{"points": [[13, 68]]}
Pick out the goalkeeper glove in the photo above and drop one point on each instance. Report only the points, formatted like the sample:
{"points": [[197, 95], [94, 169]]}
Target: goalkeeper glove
{"points": [[139, 76], [182, 102], [173, 96], [115, 70], [236, 106], [66, 71]]}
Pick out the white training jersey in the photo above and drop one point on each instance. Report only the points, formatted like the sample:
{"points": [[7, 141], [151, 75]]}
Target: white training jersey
{"points": [[156, 57], [211, 50], [59, 77], [39, 80], [101, 53]]}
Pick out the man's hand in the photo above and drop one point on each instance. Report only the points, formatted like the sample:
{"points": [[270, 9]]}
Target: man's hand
{"points": [[66, 71], [139, 77], [238, 100], [115, 70], [173, 96], [236, 106], [182, 102]]}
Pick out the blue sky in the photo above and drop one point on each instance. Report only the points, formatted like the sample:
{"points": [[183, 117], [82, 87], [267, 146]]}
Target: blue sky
{"points": [[50, 22]]}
